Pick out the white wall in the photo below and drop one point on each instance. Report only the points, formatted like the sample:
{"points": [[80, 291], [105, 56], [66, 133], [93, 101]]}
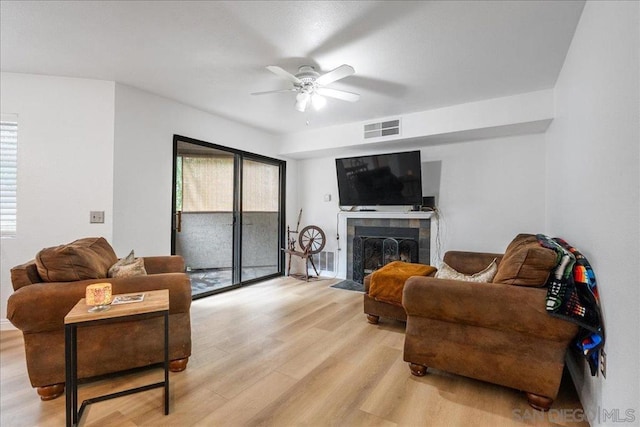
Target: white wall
{"points": [[593, 187], [94, 145], [490, 190], [65, 163], [145, 125]]}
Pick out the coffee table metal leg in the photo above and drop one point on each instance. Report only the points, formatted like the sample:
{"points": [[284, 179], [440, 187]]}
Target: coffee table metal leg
{"points": [[166, 363], [70, 373], [67, 373], [74, 372]]}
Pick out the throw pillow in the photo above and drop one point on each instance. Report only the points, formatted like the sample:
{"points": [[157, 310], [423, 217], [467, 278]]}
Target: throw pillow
{"points": [[447, 272], [526, 263], [128, 266], [88, 258]]}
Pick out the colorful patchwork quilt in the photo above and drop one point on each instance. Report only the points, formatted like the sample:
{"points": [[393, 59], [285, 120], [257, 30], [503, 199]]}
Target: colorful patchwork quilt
{"points": [[572, 295]]}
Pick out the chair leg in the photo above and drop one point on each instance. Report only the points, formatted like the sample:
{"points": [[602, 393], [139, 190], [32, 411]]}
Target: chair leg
{"points": [[417, 370], [50, 392], [541, 403], [178, 365], [373, 319]]}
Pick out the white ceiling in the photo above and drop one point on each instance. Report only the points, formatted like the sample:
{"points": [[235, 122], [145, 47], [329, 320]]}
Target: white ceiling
{"points": [[408, 56]]}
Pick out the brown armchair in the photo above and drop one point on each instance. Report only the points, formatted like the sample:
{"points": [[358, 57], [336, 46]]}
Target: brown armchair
{"points": [[38, 309], [495, 332]]}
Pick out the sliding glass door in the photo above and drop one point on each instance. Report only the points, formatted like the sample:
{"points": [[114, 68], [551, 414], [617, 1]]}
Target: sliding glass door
{"points": [[260, 219], [227, 215]]}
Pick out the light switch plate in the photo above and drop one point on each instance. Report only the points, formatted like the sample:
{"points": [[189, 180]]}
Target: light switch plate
{"points": [[96, 217]]}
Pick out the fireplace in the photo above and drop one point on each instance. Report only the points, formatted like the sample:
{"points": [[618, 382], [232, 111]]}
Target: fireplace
{"points": [[374, 247], [374, 242]]}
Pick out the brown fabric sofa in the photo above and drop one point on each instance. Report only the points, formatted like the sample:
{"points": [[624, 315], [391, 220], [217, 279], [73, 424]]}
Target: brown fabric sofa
{"points": [[38, 307], [498, 332]]}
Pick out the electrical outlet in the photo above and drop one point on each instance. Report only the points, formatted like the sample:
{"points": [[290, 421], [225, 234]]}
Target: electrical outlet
{"points": [[603, 363], [96, 217]]}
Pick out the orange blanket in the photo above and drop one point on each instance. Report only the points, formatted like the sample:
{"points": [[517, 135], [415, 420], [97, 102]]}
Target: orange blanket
{"points": [[387, 282]]}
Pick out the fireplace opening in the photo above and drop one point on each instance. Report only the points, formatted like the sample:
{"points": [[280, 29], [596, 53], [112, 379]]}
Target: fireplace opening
{"points": [[374, 247]]}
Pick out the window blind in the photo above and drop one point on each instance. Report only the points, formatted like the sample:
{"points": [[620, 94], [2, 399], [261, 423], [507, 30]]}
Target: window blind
{"points": [[260, 187], [8, 177], [205, 184]]}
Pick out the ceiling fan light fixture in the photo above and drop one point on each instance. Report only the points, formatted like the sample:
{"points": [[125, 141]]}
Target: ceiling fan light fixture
{"points": [[318, 101], [302, 100], [310, 85]]}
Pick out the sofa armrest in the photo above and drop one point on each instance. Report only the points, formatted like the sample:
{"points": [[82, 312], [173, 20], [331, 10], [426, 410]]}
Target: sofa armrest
{"points": [[164, 264], [470, 262], [487, 305], [43, 306]]}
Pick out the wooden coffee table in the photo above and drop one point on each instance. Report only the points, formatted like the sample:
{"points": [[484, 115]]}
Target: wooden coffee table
{"points": [[155, 303]]}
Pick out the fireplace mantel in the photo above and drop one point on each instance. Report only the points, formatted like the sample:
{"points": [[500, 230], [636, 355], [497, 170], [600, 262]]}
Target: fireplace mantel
{"points": [[384, 214], [344, 216]]}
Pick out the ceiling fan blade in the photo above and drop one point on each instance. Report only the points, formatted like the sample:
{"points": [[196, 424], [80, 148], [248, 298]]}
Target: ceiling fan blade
{"points": [[274, 91], [302, 101], [339, 73], [284, 74], [338, 94]]}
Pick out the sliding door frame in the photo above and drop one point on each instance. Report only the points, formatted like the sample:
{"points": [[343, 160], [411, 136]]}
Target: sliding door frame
{"points": [[239, 157]]}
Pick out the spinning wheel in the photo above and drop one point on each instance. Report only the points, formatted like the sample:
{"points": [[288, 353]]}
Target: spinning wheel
{"points": [[312, 238]]}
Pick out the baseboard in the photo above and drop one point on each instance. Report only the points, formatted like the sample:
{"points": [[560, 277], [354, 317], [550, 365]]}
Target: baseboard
{"points": [[323, 274], [5, 325]]}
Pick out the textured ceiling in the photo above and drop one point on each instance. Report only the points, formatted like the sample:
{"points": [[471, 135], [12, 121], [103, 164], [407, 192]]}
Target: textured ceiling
{"points": [[408, 56]]}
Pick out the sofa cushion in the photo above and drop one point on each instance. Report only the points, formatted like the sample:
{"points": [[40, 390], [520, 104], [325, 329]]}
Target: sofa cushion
{"points": [[525, 263], [484, 276], [88, 258], [128, 266]]}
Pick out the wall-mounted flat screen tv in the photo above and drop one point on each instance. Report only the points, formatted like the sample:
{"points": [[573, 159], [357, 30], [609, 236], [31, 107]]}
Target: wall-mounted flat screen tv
{"points": [[380, 180]]}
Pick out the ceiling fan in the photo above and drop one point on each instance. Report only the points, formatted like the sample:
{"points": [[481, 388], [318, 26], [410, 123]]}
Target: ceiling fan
{"points": [[310, 85]]}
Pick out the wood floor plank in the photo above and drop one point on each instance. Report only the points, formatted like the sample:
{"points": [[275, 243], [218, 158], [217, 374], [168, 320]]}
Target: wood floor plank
{"points": [[243, 370], [348, 391], [193, 405], [283, 353], [300, 402], [337, 319], [364, 419], [249, 402], [309, 359]]}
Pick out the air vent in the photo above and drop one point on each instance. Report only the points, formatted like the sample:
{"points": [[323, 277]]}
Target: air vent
{"points": [[376, 130], [324, 261]]}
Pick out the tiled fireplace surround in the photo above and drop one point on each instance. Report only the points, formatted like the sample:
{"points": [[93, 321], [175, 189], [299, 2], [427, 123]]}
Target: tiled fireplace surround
{"points": [[348, 221]]}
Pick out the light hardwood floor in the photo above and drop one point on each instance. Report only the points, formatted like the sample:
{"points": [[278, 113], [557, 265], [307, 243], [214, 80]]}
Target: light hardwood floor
{"points": [[285, 353]]}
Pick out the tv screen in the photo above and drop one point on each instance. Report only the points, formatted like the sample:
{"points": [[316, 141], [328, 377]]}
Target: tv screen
{"points": [[383, 179]]}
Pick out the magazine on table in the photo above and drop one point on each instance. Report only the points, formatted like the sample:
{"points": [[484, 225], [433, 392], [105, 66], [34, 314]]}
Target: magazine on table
{"points": [[127, 299]]}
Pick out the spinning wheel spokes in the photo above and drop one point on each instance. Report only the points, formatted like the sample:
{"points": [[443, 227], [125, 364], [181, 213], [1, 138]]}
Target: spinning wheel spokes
{"points": [[313, 238]]}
